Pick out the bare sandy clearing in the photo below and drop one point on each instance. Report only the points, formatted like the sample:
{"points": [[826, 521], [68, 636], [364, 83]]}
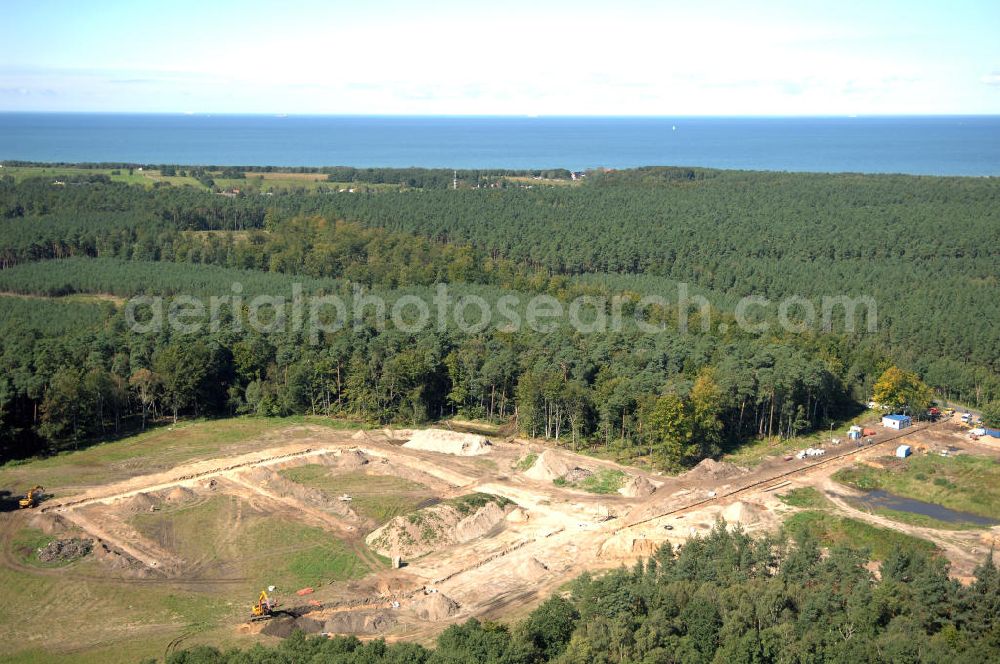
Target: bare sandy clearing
{"points": [[510, 548]]}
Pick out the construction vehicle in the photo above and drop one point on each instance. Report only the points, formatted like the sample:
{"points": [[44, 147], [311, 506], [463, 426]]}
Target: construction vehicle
{"points": [[263, 609], [32, 498]]}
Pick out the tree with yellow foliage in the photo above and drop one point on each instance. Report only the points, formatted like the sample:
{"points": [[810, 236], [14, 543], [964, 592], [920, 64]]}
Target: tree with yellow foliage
{"points": [[900, 390]]}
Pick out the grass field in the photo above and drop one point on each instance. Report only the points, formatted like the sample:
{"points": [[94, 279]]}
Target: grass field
{"points": [[753, 452], [224, 536], [603, 481], [53, 618], [965, 483], [155, 450], [832, 530], [140, 177], [255, 182], [805, 497], [26, 545], [78, 612], [55, 172], [264, 182], [376, 497]]}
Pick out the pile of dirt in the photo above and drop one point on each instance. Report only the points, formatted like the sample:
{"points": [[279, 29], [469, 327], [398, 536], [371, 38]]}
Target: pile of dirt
{"points": [[577, 475], [280, 626], [276, 483], [990, 539], [518, 515], [448, 442], [48, 522], [550, 465], [120, 561], [533, 569], [358, 622], [715, 470], [64, 550], [395, 586], [398, 434], [352, 459], [180, 494], [645, 548], [308, 625], [627, 545], [140, 502], [742, 513], [637, 487], [434, 606], [433, 528]]}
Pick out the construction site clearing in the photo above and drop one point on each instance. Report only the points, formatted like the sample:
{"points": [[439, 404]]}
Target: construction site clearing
{"points": [[433, 526]]}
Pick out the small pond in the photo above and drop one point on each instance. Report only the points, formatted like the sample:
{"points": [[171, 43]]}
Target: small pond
{"points": [[878, 499]]}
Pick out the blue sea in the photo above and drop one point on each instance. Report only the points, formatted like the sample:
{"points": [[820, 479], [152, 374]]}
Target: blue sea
{"points": [[953, 145]]}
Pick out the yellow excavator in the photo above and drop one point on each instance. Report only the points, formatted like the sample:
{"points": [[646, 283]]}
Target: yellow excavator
{"points": [[263, 609], [32, 498]]}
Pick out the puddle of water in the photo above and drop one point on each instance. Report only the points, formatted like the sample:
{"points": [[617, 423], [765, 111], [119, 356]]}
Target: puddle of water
{"points": [[877, 498]]}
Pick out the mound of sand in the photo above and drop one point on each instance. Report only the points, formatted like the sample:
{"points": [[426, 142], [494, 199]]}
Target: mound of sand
{"points": [[434, 606], [396, 586], [549, 465], [627, 545], [742, 513], [552, 465], [140, 502], [637, 487], [990, 539], [645, 547], [277, 484], [351, 459], [715, 470], [308, 625], [480, 522], [532, 570], [282, 626], [180, 494], [48, 522], [358, 622], [448, 442], [518, 515], [438, 526], [120, 561]]}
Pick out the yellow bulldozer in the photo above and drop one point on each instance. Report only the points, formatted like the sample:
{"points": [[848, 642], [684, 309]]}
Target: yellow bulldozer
{"points": [[263, 609], [32, 498]]}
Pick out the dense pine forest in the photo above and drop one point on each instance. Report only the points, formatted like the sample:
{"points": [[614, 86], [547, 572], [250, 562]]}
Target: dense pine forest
{"points": [[727, 598], [71, 251]]}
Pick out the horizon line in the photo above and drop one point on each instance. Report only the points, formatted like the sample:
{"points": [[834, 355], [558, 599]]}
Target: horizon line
{"points": [[530, 116]]}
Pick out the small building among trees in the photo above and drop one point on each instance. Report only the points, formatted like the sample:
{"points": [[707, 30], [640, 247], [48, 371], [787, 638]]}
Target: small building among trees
{"points": [[897, 421]]}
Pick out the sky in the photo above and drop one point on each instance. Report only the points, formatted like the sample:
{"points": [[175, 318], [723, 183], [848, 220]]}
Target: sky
{"points": [[508, 57]]}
